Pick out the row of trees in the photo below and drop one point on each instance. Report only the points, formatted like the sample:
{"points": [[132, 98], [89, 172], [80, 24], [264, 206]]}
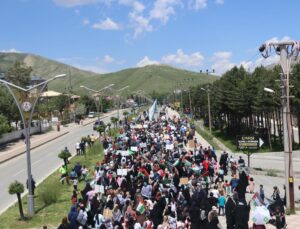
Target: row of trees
{"points": [[20, 74], [239, 104]]}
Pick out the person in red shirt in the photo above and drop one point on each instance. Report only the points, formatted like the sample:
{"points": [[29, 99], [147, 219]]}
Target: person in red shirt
{"points": [[205, 164]]}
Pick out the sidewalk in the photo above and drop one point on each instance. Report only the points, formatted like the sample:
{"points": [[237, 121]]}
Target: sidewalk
{"points": [[14, 149]]}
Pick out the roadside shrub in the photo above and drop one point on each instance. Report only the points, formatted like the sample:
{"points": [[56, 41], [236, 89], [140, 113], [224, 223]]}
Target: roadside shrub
{"points": [[48, 194], [272, 173], [96, 149]]}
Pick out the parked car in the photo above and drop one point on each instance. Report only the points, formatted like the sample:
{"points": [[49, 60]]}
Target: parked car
{"points": [[97, 124], [91, 114]]}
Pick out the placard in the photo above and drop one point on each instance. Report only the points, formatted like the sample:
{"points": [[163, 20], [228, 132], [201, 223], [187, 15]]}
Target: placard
{"points": [[107, 213], [123, 153], [184, 180], [191, 144], [121, 172], [143, 145], [134, 148], [99, 189], [170, 147]]}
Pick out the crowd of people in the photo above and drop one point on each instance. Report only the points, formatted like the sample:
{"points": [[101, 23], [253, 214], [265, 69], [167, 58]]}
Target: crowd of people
{"points": [[157, 175]]}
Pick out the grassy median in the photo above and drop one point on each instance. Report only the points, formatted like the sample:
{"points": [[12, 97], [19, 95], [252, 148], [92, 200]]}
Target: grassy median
{"points": [[58, 195]]}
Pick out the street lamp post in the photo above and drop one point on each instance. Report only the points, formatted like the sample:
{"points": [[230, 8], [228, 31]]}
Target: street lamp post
{"points": [[120, 90], [96, 97], [208, 105], [208, 72], [26, 102], [286, 50]]}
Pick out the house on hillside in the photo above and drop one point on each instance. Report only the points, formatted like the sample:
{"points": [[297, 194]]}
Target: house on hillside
{"points": [[35, 80]]}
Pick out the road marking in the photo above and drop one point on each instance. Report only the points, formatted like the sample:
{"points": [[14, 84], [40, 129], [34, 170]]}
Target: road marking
{"points": [[36, 162], [21, 171]]}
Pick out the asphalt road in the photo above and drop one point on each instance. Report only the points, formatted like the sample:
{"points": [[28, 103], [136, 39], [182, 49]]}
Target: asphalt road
{"points": [[44, 161]]}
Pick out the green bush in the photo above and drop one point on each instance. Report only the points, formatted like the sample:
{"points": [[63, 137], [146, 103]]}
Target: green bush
{"points": [[48, 194], [272, 173], [96, 149], [64, 154], [15, 188]]}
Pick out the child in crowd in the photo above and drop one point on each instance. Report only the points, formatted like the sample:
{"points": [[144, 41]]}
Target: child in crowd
{"points": [[251, 185], [227, 188], [262, 192], [222, 201]]}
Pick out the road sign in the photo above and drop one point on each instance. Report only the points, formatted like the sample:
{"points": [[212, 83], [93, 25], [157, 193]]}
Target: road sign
{"points": [[249, 142]]}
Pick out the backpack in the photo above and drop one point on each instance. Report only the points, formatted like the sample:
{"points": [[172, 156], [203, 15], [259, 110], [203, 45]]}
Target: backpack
{"points": [[82, 217]]}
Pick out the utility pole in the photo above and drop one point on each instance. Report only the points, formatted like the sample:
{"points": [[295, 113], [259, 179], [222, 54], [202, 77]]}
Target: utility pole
{"points": [[286, 50], [98, 97], [26, 102], [208, 106], [209, 114]]}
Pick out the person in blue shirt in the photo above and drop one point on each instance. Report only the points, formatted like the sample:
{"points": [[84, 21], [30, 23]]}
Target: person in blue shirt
{"points": [[222, 201]]}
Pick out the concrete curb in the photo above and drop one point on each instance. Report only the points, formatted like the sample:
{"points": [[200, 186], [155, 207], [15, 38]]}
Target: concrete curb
{"points": [[38, 145]]}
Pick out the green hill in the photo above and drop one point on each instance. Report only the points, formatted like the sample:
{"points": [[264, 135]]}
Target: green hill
{"points": [[159, 78]]}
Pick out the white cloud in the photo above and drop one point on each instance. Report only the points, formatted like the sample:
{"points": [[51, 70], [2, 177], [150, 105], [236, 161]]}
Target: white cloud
{"points": [[222, 62], [200, 4], [72, 3], [92, 68], [108, 59], [140, 24], [137, 6], [163, 9], [276, 39], [107, 24], [180, 58], [220, 2], [146, 61], [197, 4], [261, 61], [85, 21], [12, 50], [77, 12]]}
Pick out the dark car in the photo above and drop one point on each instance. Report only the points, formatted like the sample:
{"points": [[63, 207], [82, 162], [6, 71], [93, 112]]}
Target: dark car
{"points": [[97, 124]]}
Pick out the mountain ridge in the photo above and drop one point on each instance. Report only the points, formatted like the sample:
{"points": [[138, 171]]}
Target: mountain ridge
{"points": [[160, 78]]}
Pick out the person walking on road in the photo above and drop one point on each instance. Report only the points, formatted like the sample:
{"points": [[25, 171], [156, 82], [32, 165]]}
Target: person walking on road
{"points": [[82, 148], [32, 184], [77, 147]]}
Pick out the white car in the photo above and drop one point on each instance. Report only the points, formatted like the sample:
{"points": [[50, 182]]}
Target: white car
{"points": [[91, 114]]}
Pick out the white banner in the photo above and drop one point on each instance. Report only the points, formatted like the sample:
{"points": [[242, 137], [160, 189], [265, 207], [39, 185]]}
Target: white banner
{"points": [[122, 172]]}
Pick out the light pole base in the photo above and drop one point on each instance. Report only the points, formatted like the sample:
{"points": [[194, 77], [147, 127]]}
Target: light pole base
{"points": [[30, 205]]}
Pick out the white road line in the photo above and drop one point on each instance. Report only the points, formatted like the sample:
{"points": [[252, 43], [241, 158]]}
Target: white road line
{"points": [[21, 171], [36, 162]]}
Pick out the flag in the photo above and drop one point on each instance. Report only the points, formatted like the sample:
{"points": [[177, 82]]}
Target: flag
{"points": [[130, 152], [187, 163], [256, 200], [140, 208], [196, 169], [152, 110], [176, 163]]}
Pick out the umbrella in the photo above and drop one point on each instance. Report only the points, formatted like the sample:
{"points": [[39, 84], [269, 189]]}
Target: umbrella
{"points": [[91, 194], [260, 215]]}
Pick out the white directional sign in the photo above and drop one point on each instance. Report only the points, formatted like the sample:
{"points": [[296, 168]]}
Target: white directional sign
{"points": [[261, 142]]}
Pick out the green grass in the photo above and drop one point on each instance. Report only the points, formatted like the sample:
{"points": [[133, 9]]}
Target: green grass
{"points": [[227, 140], [272, 173], [207, 136], [115, 132], [230, 142], [52, 214], [148, 78]]}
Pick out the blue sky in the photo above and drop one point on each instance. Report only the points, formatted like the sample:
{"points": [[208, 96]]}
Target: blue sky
{"points": [[110, 35]]}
